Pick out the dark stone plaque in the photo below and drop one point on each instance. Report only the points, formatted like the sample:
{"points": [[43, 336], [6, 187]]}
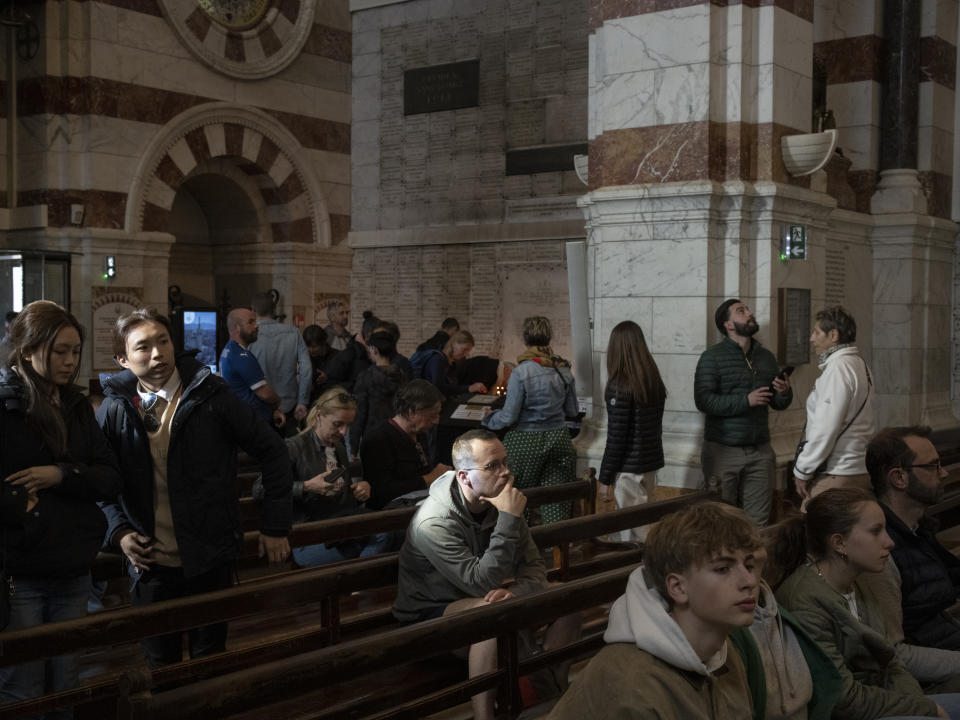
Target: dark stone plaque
{"points": [[556, 158], [793, 326], [441, 87]]}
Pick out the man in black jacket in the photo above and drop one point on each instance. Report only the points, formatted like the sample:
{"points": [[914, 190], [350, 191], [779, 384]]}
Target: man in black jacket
{"points": [[907, 478], [175, 428]]}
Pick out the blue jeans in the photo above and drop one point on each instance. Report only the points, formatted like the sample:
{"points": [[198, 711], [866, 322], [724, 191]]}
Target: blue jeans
{"points": [[948, 701], [348, 550], [34, 602]]}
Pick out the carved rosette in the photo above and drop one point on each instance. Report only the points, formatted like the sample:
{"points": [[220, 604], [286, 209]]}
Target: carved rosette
{"points": [[245, 39]]}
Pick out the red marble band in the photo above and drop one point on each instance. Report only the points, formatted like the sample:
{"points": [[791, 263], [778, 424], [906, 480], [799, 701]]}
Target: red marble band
{"points": [[851, 59], [603, 10], [125, 101], [690, 151], [938, 61], [939, 191]]}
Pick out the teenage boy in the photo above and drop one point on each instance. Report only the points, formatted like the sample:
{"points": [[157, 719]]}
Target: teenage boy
{"points": [[667, 653], [176, 427]]}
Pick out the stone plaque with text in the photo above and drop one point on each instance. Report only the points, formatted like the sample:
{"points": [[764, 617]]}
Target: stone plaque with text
{"points": [[441, 87]]}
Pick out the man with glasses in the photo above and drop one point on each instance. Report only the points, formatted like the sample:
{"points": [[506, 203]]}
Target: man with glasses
{"points": [[467, 546], [908, 478]]}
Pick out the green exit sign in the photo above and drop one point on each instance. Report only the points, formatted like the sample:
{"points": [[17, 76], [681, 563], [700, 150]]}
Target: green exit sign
{"points": [[794, 241]]}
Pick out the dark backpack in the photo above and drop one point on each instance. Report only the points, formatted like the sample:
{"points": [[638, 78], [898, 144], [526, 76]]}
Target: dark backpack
{"points": [[419, 360]]}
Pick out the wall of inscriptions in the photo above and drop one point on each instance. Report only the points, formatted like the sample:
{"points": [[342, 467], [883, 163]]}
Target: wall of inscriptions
{"points": [[468, 164], [488, 287]]}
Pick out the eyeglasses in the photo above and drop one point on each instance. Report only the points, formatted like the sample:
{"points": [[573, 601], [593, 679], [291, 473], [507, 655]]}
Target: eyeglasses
{"points": [[935, 464], [495, 466]]}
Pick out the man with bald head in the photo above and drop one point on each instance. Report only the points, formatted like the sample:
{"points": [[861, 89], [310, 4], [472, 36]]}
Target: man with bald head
{"points": [[243, 373]]}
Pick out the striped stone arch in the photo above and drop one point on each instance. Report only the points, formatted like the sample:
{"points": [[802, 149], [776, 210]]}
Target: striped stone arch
{"points": [[294, 206]]}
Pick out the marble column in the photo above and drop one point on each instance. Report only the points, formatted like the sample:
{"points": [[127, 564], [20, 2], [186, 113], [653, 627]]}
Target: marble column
{"points": [[688, 103]]}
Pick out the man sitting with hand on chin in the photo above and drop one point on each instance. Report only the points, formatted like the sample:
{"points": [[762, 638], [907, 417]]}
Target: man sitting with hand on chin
{"points": [[468, 545]]}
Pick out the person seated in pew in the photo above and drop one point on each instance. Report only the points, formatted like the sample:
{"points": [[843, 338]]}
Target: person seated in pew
{"points": [[468, 545], [176, 428], [322, 487], [392, 452], [790, 676], [667, 654]]}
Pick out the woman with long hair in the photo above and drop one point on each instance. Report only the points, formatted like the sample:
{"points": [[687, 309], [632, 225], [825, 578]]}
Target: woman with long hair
{"points": [[817, 559], [634, 396], [541, 394], [441, 369], [56, 462]]}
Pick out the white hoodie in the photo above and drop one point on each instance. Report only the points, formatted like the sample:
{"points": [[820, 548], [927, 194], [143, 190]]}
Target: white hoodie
{"points": [[640, 616]]}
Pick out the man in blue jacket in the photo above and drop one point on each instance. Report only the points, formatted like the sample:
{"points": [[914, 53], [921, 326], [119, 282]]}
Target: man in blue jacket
{"points": [[175, 428], [732, 386]]}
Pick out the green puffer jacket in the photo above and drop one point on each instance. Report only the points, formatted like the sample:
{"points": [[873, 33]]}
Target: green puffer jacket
{"points": [[874, 683], [724, 378]]}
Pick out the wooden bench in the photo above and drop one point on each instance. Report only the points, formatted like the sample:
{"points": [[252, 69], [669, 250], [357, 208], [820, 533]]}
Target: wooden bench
{"points": [[322, 585]]}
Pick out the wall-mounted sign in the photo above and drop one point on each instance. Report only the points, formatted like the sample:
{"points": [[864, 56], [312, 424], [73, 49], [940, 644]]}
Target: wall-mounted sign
{"points": [[441, 87]]}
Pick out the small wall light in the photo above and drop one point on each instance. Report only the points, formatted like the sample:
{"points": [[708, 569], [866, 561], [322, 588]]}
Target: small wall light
{"points": [[109, 267]]}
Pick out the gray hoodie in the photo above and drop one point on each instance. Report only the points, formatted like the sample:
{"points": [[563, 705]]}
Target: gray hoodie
{"points": [[450, 554]]}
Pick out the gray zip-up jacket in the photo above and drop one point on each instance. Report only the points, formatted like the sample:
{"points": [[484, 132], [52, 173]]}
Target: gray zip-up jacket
{"points": [[449, 555]]}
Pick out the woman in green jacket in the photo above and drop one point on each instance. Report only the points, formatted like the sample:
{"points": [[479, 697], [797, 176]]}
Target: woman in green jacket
{"points": [[821, 555]]}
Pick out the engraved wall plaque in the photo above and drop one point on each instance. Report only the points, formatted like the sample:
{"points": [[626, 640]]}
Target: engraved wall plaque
{"points": [[441, 87], [793, 327]]}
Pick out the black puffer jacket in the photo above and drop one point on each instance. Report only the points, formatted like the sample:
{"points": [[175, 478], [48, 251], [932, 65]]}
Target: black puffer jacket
{"points": [[929, 579], [375, 389], [209, 424], [60, 537], [634, 436]]}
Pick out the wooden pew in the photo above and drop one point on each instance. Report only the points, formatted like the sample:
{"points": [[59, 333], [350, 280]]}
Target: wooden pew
{"points": [[281, 680], [323, 584]]}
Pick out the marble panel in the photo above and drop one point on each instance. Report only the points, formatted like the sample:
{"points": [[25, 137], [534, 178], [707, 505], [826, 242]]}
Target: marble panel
{"points": [[160, 194], [678, 325], [334, 14], [182, 155], [317, 71], [365, 42], [896, 370], [733, 93], [677, 371], [936, 370], [665, 268], [896, 326], [114, 62], [939, 283], [653, 154], [652, 40], [840, 19], [787, 40], [731, 31], [104, 22], [934, 150], [939, 17], [935, 106], [366, 98], [656, 97], [861, 145], [610, 311], [855, 103], [280, 169], [252, 141]]}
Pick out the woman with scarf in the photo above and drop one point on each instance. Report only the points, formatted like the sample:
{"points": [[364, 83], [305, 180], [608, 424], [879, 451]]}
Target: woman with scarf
{"points": [[540, 395], [839, 410]]}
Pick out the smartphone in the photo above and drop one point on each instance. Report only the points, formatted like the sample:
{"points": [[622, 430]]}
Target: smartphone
{"points": [[335, 475], [783, 375]]}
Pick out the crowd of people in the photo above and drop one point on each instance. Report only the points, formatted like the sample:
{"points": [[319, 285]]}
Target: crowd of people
{"points": [[841, 610]]}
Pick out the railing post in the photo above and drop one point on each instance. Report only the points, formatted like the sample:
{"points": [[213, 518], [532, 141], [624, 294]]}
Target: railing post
{"points": [[508, 658]]}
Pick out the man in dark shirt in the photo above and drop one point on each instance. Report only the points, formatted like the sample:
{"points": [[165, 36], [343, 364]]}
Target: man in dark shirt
{"points": [[447, 328], [242, 371]]}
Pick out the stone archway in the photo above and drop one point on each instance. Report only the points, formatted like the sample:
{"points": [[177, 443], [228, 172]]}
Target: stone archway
{"points": [[295, 209]]}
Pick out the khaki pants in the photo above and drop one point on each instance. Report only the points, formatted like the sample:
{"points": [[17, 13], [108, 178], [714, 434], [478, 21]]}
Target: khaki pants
{"points": [[741, 475]]}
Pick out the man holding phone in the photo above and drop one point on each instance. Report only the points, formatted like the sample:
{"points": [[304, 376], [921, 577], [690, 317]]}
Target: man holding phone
{"points": [[736, 380]]}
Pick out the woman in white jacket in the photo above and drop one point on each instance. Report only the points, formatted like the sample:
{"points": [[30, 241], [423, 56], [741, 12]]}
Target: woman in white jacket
{"points": [[839, 410]]}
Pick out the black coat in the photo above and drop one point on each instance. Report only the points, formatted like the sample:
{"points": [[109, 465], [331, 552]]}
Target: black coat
{"points": [[374, 390], [209, 424], [345, 367], [929, 582], [391, 464], [61, 536], [634, 436]]}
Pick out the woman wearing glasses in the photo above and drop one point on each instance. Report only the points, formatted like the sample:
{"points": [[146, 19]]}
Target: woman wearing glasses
{"points": [[839, 410], [56, 464], [322, 487], [540, 395]]}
